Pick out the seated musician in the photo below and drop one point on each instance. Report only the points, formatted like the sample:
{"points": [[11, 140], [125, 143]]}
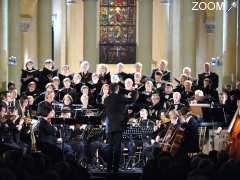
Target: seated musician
{"points": [[199, 98], [235, 93], [65, 74], [41, 97], [49, 99], [189, 122], [177, 102], [31, 90], [23, 111], [104, 74], [7, 141], [67, 89], [163, 68], [48, 140], [32, 106], [84, 72], [228, 105]]}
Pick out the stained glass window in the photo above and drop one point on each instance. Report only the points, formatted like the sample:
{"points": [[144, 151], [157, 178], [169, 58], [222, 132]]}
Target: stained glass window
{"points": [[117, 31]]}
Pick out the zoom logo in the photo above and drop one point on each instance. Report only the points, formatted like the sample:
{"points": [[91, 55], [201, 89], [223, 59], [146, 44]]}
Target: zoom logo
{"points": [[212, 6]]}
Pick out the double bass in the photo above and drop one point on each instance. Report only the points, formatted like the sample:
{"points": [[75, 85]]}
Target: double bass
{"points": [[234, 132]]}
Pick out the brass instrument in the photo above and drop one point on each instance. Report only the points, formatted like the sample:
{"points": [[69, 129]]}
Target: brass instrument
{"points": [[164, 121]]}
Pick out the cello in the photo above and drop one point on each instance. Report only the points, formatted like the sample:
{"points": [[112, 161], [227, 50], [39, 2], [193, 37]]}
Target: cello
{"points": [[234, 132]]}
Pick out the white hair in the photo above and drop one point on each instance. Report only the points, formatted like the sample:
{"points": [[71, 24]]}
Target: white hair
{"points": [[83, 63], [115, 78], [199, 93], [164, 61], [187, 69]]}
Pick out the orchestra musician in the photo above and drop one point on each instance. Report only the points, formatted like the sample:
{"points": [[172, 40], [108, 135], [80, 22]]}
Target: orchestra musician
{"points": [[93, 90], [48, 140]]}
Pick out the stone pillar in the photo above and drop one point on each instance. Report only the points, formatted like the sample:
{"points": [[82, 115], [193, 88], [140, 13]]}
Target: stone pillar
{"points": [[229, 44], [75, 27], [59, 19], [44, 31], [29, 41], [26, 39], [218, 41], [14, 41], [144, 34], [201, 46], [175, 11], [3, 44], [91, 44], [160, 34], [188, 32], [238, 42]]}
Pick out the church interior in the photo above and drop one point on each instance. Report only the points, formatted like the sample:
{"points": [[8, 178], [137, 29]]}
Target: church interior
{"points": [[153, 83]]}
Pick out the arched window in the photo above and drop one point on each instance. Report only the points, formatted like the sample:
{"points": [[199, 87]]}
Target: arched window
{"points": [[118, 31]]}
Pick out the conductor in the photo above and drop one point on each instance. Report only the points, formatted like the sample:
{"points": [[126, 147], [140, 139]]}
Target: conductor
{"points": [[116, 112]]}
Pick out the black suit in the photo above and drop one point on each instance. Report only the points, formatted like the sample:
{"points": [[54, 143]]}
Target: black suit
{"points": [[47, 132], [115, 108], [166, 74], [213, 76]]}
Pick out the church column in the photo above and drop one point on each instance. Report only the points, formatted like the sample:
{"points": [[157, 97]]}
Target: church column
{"points": [[238, 41], [229, 44], [59, 19], [14, 41], [44, 31], [175, 11], [144, 34], [75, 26], [29, 41], [160, 34], [201, 45], [188, 31], [3, 44], [218, 41], [91, 44]]}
